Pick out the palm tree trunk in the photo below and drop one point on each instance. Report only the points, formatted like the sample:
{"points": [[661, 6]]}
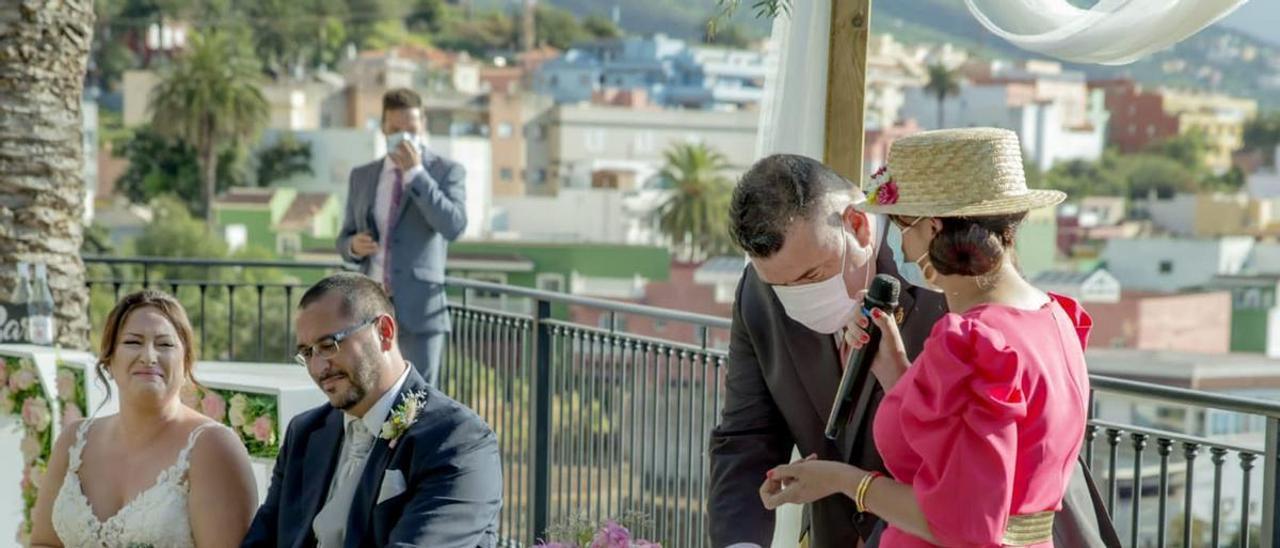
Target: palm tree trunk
{"points": [[942, 111], [43, 53], [209, 177]]}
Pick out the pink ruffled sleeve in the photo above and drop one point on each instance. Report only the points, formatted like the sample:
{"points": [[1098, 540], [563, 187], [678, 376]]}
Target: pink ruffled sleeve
{"points": [[959, 413], [1078, 317]]}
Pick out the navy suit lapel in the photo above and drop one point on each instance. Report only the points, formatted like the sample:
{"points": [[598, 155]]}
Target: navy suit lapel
{"points": [[324, 443], [361, 518]]}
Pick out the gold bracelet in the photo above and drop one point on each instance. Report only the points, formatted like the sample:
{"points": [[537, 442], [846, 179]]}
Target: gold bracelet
{"points": [[860, 499]]}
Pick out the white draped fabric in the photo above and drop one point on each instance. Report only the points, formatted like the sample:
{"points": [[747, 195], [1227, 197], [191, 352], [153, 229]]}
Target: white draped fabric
{"points": [[793, 113], [1112, 32]]}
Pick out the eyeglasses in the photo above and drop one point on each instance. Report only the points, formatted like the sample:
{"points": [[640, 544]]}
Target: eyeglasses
{"points": [[328, 347], [902, 224]]}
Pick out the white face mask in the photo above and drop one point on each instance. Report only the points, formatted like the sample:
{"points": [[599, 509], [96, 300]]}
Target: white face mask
{"points": [[395, 139], [823, 306]]}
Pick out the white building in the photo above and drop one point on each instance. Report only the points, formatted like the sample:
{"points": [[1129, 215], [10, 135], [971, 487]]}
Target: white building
{"points": [[581, 146], [1045, 138], [475, 155], [597, 215], [1056, 116], [1265, 183], [1169, 264], [1098, 286]]}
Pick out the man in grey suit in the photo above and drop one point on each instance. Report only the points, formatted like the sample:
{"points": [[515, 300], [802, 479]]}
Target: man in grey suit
{"points": [[402, 212], [794, 218]]}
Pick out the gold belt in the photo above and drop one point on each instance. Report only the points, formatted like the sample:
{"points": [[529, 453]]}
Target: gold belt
{"points": [[1029, 529]]}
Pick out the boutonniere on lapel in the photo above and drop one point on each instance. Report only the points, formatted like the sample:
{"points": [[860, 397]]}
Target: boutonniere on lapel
{"points": [[402, 417]]}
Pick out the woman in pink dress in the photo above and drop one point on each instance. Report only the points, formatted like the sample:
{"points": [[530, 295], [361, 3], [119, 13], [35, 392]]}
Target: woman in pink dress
{"points": [[981, 432]]}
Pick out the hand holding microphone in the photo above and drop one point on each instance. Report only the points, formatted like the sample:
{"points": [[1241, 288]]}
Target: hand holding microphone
{"points": [[879, 301], [890, 360]]}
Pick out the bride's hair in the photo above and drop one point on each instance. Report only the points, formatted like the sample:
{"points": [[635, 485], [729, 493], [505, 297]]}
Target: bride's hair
{"points": [[168, 307]]}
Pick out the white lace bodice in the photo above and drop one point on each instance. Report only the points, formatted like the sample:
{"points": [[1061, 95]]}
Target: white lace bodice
{"points": [[156, 517]]}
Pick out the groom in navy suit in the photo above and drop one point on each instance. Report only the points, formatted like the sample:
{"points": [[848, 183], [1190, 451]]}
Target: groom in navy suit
{"points": [[390, 461]]}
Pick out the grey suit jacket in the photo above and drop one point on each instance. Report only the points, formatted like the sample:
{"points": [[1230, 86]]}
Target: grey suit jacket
{"points": [[432, 213], [779, 389]]}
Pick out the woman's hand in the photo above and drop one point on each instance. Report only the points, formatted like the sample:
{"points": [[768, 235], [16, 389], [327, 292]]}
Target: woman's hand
{"points": [[891, 361], [808, 480]]}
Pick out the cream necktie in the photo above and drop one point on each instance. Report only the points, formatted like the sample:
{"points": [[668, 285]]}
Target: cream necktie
{"points": [[330, 524]]}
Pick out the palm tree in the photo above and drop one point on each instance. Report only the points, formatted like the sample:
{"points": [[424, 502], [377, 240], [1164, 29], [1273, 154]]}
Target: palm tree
{"points": [[943, 83], [42, 187], [210, 100], [692, 217]]}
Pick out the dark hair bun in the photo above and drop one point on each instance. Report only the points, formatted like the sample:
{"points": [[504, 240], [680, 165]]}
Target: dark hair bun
{"points": [[973, 246]]}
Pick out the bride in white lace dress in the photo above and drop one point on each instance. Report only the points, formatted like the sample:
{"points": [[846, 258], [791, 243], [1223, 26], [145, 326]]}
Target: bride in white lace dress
{"points": [[158, 473]]}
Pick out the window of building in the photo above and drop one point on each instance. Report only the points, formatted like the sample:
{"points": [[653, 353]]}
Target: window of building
{"points": [[619, 322], [504, 130], [505, 174], [486, 299], [1151, 131], [551, 281], [593, 140], [1166, 267], [644, 142], [288, 245], [1133, 129]]}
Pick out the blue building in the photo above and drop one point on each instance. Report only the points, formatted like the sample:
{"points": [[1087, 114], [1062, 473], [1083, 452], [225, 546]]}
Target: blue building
{"points": [[672, 73]]}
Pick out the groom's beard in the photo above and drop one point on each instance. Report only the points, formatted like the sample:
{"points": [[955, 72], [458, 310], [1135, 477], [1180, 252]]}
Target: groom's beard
{"points": [[362, 377]]}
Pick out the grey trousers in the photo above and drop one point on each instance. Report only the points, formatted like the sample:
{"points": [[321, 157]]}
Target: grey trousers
{"points": [[424, 350]]}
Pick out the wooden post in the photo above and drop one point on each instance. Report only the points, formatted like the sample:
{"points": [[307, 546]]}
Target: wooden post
{"points": [[846, 87]]}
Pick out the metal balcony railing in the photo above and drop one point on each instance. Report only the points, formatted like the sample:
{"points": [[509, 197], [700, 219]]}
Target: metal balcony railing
{"points": [[596, 422]]}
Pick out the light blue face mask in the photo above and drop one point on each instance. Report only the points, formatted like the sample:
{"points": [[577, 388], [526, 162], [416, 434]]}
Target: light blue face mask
{"points": [[910, 271]]}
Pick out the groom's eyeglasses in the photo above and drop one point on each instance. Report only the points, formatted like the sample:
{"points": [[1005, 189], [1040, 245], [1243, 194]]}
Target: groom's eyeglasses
{"points": [[327, 347]]}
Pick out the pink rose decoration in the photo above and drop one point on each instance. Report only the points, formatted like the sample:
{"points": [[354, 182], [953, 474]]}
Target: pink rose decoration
{"points": [[35, 413], [22, 380], [4, 374], [30, 448], [6, 401], [25, 484], [213, 406], [263, 429], [887, 194], [71, 413], [66, 384]]}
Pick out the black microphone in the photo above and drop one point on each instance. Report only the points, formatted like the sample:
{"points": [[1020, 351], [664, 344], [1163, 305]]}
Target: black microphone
{"points": [[883, 294]]}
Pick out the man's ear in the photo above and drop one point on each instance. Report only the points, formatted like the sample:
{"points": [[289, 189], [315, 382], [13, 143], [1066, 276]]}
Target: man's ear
{"points": [[858, 223], [386, 332]]}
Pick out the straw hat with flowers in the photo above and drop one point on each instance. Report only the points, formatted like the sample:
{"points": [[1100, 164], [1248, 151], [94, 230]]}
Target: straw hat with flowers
{"points": [[955, 173]]}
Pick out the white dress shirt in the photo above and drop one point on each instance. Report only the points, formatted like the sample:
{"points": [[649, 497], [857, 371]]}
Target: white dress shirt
{"points": [[382, 210], [330, 524]]}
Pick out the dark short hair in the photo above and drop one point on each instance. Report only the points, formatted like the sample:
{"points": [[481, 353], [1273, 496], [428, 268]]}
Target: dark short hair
{"points": [[400, 99], [775, 192], [362, 297]]}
